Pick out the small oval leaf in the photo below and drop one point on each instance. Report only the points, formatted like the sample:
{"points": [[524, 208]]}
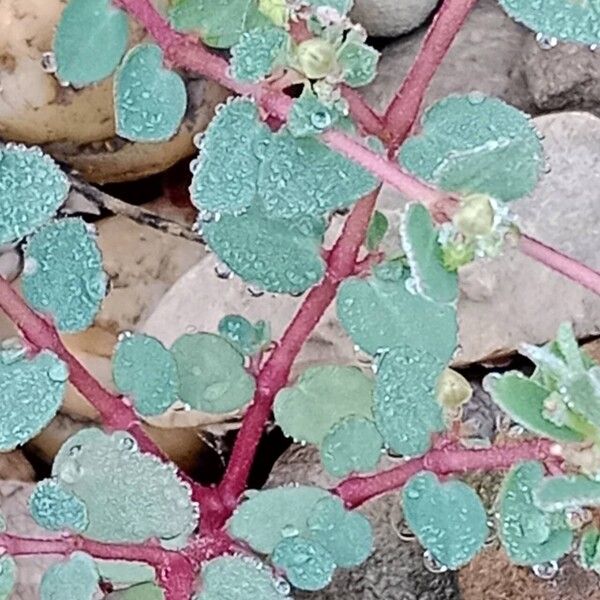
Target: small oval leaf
{"points": [[75, 578]]}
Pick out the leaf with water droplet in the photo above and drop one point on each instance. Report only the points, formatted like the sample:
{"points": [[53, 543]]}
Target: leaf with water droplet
{"points": [[219, 23], [307, 565], [31, 392], [211, 372], [589, 549], [302, 176], [75, 578], [406, 408], [150, 100], [309, 116], [567, 20], [67, 280], [377, 229], [225, 178], [90, 41], [380, 312], [448, 518], [237, 578], [266, 517], [320, 398], [130, 496], [353, 445], [529, 535], [8, 576], [245, 337], [145, 370], [425, 256], [566, 491], [275, 254], [476, 144], [523, 399], [32, 188], [56, 508], [257, 53], [347, 535], [358, 62], [145, 591]]}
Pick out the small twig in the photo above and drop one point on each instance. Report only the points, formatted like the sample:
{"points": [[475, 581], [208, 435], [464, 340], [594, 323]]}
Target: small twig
{"points": [[135, 213]]}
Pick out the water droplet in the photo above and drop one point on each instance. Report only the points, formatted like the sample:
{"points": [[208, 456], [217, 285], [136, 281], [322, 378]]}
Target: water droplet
{"points": [[58, 372], [75, 450], [128, 443], [124, 335], [49, 62], [289, 531], [546, 42], [255, 292], [547, 570], [432, 564], [282, 586], [476, 98], [222, 271]]}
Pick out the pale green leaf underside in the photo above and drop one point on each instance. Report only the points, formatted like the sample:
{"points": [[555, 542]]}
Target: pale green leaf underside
{"points": [[567, 20], [64, 276], [90, 40], [211, 372], [57, 509], [129, 496], [267, 516], [353, 445], [257, 53], [237, 578], [424, 254], [75, 578], [567, 491], [150, 100], [406, 408], [31, 392], [320, 398], [529, 535], [448, 518], [359, 63], [32, 188], [8, 576], [476, 144], [523, 399], [379, 314], [145, 370]]}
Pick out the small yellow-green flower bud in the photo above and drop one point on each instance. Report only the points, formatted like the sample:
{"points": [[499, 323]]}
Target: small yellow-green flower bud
{"points": [[453, 390], [475, 216], [275, 10], [316, 58], [457, 254]]}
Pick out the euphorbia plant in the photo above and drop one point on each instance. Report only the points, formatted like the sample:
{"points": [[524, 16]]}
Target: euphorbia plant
{"points": [[272, 170]]}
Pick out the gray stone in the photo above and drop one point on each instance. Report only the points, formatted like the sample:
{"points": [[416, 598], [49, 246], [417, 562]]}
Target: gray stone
{"points": [[482, 57], [566, 77], [395, 571], [391, 18]]}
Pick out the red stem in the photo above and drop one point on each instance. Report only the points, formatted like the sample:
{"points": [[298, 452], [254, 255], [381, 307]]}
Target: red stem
{"points": [[358, 490], [406, 104], [275, 372]]}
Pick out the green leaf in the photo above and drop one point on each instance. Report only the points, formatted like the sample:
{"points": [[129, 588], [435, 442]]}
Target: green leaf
{"points": [[302, 176], [145, 370], [566, 491], [568, 20], [278, 255], [353, 445], [307, 565], [211, 371], [583, 395], [270, 515], [379, 313], [150, 100], [124, 572], [523, 399], [226, 173], [425, 256], [258, 53], [342, 6], [529, 535], [567, 345], [130, 496], [589, 549], [406, 408], [237, 578], [309, 116], [32, 188], [75, 578], [220, 23], [63, 274], [359, 63], [476, 144], [8, 576], [145, 591], [31, 392], [90, 41], [377, 229], [57, 509], [320, 398], [448, 518], [347, 535], [246, 338]]}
